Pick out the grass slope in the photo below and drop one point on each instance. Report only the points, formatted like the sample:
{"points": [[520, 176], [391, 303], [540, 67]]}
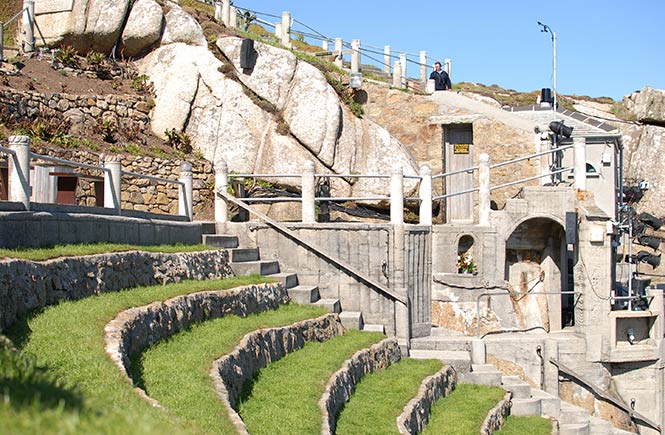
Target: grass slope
{"points": [[284, 398], [175, 371], [74, 386], [526, 426], [380, 398]]}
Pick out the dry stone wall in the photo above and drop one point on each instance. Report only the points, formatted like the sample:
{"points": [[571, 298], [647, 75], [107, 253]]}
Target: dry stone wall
{"points": [[497, 415], [258, 349], [28, 285]]}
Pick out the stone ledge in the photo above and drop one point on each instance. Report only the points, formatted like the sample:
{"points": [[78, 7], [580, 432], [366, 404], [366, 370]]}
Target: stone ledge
{"points": [[343, 383], [257, 349], [416, 413], [29, 285], [497, 415], [136, 329]]}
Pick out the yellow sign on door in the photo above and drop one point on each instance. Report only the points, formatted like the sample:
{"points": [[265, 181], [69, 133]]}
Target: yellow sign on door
{"points": [[460, 148]]}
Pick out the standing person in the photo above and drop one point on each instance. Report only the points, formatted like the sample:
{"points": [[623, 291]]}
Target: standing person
{"points": [[441, 78]]}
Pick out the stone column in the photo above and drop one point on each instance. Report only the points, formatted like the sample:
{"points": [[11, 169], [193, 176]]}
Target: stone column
{"points": [[278, 31], [218, 11], [185, 193], [339, 56], [397, 75], [113, 183], [233, 19], [286, 29], [579, 146], [430, 87], [544, 167], [423, 68], [324, 45], [425, 195], [448, 67], [402, 324], [308, 194], [226, 12], [19, 170], [397, 196], [221, 184], [478, 351], [484, 189], [402, 62], [386, 59], [355, 56], [29, 26], [551, 380]]}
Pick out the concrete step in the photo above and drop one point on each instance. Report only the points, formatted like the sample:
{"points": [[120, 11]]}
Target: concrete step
{"points": [[288, 280], [574, 429], [208, 227], [571, 414], [482, 374], [550, 406], [304, 294], [459, 360], [241, 255], [525, 407], [519, 388], [433, 342], [352, 319], [333, 305], [374, 327], [220, 240], [598, 426], [260, 267], [616, 431]]}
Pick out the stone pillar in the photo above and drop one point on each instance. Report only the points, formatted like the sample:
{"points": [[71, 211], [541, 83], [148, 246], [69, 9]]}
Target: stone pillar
{"points": [[386, 59], [544, 167], [218, 11], [286, 29], [402, 324], [233, 19], [397, 75], [425, 195], [308, 194], [448, 67], [402, 62], [185, 193], [478, 351], [423, 68], [579, 146], [355, 56], [339, 56], [226, 12], [397, 196], [484, 189], [28, 26], [221, 184], [551, 381], [113, 183], [278, 31], [324, 45], [19, 170], [431, 86]]}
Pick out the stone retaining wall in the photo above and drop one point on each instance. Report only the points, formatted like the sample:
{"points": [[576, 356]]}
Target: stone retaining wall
{"points": [[416, 413], [136, 329], [257, 349], [28, 285], [497, 415], [343, 383]]}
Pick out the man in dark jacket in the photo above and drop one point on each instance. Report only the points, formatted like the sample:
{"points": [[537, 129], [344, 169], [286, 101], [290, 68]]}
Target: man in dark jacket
{"points": [[441, 78]]}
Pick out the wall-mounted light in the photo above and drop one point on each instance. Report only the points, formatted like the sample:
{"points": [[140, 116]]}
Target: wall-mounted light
{"points": [[631, 336]]}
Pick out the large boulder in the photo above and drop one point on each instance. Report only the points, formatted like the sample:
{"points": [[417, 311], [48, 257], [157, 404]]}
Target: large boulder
{"points": [[89, 25], [648, 105], [645, 160], [143, 29], [182, 27]]}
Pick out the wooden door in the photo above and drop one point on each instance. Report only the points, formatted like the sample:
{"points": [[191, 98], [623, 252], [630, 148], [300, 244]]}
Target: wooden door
{"points": [[458, 154]]}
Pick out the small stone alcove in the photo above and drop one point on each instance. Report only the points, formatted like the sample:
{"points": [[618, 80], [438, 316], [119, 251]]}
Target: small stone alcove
{"points": [[465, 247]]}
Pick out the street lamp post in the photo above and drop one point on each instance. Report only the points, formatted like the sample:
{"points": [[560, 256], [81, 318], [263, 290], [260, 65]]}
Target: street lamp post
{"points": [[547, 29]]}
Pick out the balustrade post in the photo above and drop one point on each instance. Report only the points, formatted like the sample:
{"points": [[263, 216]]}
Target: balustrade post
{"points": [[286, 29], [113, 183], [233, 18], [324, 45], [423, 69], [28, 26], [397, 75], [425, 194], [218, 11], [386, 59], [278, 31], [226, 12], [355, 56], [579, 147], [484, 189], [308, 194], [541, 145], [397, 196], [448, 67], [402, 62], [19, 170], [185, 193], [221, 184], [339, 56]]}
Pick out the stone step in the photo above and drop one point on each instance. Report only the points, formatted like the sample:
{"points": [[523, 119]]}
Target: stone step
{"points": [[616, 431], [333, 305], [208, 227], [459, 360], [374, 327], [260, 267], [519, 388], [571, 414], [598, 426], [220, 240], [288, 280], [482, 374], [574, 429], [550, 406], [304, 294], [456, 344], [352, 319], [525, 407], [241, 255]]}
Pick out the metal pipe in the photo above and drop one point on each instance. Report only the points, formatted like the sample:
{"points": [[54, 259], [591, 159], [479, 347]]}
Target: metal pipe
{"points": [[459, 171], [353, 176], [535, 177], [67, 162], [463, 192], [530, 156], [7, 150], [231, 175], [150, 177]]}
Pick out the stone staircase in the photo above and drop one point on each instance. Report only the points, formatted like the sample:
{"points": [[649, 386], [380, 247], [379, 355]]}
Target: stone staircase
{"points": [[247, 261]]}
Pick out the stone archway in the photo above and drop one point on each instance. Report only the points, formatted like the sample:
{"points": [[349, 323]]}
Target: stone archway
{"points": [[536, 260]]}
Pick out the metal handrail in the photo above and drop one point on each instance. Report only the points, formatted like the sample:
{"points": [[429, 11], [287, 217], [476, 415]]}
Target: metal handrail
{"points": [[150, 177], [449, 195], [458, 171], [231, 175], [511, 294], [535, 177], [67, 162], [530, 156], [8, 151], [2, 32]]}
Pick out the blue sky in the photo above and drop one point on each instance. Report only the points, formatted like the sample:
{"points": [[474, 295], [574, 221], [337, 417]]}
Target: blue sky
{"points": [[604, 48]]}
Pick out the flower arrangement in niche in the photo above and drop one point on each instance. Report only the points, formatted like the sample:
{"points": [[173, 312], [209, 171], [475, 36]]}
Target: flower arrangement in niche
{"points": [[465, 263]]}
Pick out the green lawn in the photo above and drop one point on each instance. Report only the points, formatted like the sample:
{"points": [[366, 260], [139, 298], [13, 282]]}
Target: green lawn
{"points": [[526, 426], [65, 383], [176, 371], [463, 411], [41, 254], [284, 398], [380, 398]]}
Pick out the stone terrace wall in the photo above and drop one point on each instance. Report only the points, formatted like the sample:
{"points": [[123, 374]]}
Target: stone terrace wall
{"points": [[497, 415], [257, 349], [136, 329], [416, 413], [27, 285], [343, 383]]}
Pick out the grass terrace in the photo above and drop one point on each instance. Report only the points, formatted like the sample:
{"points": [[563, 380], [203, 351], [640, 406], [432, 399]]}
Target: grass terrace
{"points": [[526, 425]]}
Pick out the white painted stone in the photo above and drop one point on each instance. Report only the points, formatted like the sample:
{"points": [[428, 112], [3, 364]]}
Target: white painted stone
{"points": [[143, 28]]}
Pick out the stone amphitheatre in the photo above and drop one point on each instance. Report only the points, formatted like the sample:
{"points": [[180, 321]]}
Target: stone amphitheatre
{"points": [[210, 227]]}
